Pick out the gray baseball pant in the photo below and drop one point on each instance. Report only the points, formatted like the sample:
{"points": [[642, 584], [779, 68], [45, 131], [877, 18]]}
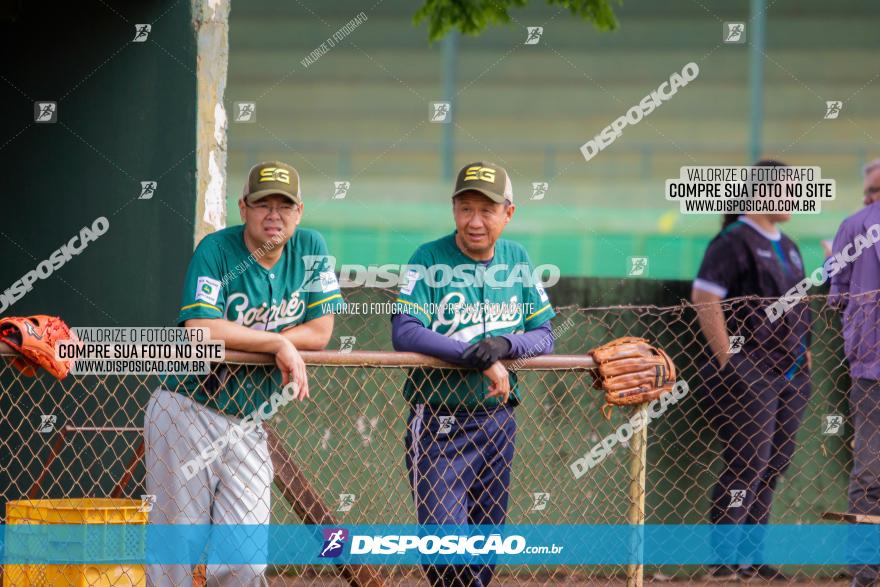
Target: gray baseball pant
{"points": [[234, 489], [864, 481]]}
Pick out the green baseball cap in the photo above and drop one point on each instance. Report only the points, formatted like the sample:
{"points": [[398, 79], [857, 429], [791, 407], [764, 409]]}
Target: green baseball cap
{"points": [[487, 178], [272, 177]]}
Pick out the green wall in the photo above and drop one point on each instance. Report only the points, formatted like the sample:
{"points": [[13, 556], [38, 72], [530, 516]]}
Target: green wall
{"points": [[126, 114]]}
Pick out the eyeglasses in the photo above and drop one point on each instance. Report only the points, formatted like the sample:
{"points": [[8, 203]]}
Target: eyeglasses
{"points": [[263, 209], [872, 191]]}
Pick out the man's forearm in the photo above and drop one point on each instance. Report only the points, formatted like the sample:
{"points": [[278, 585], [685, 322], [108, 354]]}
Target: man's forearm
{"points": [[532, 343], [838, 297], [840, 281], [714, 327], [238, 337], [312, 335], [408, 335]]}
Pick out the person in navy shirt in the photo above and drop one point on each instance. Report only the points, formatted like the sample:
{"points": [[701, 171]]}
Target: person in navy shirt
{"points": [[756, 387]]}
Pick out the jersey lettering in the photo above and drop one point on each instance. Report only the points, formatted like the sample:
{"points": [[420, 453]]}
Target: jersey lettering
{"points": [[465, 321], [239, 310]]}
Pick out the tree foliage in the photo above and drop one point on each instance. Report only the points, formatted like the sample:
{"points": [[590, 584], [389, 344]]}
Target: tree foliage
{"points": [[471, 17]]}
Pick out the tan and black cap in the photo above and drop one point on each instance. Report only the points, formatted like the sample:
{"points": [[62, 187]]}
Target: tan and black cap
{"points": [[487, 178], [272, 177]]}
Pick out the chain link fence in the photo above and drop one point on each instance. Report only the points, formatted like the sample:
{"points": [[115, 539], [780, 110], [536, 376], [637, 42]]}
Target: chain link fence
{"points": [[83, 437]]}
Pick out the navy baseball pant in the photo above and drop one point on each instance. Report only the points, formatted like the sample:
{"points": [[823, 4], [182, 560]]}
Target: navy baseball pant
{"points": [[459, 466], [757, 412]]}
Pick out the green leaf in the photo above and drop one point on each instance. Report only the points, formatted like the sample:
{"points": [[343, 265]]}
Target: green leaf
{"points": [[472, 17], [599, 12]]}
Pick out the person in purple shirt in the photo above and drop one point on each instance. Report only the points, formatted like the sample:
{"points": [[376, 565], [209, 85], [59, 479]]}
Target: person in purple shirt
{"points": [[854, 288]]}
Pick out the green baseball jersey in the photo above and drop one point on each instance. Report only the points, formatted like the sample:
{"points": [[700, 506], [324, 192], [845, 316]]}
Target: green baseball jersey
{"points": [[225, 281], [499, 299]]}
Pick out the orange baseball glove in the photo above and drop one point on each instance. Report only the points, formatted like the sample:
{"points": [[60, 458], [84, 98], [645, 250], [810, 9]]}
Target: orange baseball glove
{"points": [[632, 371], [34, 339]]}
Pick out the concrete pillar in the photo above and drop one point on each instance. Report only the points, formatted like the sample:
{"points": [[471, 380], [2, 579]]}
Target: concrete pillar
{"points": [[211, 19]]}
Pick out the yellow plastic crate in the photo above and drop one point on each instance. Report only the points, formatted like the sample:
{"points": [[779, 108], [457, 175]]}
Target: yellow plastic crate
{"points": [[78, 511]]}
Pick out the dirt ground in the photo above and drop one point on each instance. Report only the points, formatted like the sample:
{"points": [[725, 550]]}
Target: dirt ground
{"points": [[302, 582], [315, 581]]}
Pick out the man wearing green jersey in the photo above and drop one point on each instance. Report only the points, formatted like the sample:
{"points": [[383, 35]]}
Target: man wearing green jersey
{"points": [[207, 459], [469, 298]]}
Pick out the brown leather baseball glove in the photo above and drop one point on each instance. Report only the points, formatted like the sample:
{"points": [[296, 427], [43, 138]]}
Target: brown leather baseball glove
{"points": [[34, 339], [632, 371]]}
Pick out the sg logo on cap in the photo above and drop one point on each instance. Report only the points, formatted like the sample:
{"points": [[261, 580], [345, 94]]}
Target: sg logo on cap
{"points": [[477, 172], [274, 174]]}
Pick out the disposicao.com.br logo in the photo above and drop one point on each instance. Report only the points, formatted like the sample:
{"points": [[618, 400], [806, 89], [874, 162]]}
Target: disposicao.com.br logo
{"points": [[432, 544], [493, 544], [334, 542]]}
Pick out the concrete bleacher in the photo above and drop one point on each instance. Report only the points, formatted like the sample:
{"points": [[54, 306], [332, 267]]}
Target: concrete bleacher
{"points": [[360, 114]]}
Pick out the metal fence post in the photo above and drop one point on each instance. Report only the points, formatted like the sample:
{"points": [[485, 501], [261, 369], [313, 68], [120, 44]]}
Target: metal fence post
{"points": [[756, 78], [638, 456], [450, 54]]}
